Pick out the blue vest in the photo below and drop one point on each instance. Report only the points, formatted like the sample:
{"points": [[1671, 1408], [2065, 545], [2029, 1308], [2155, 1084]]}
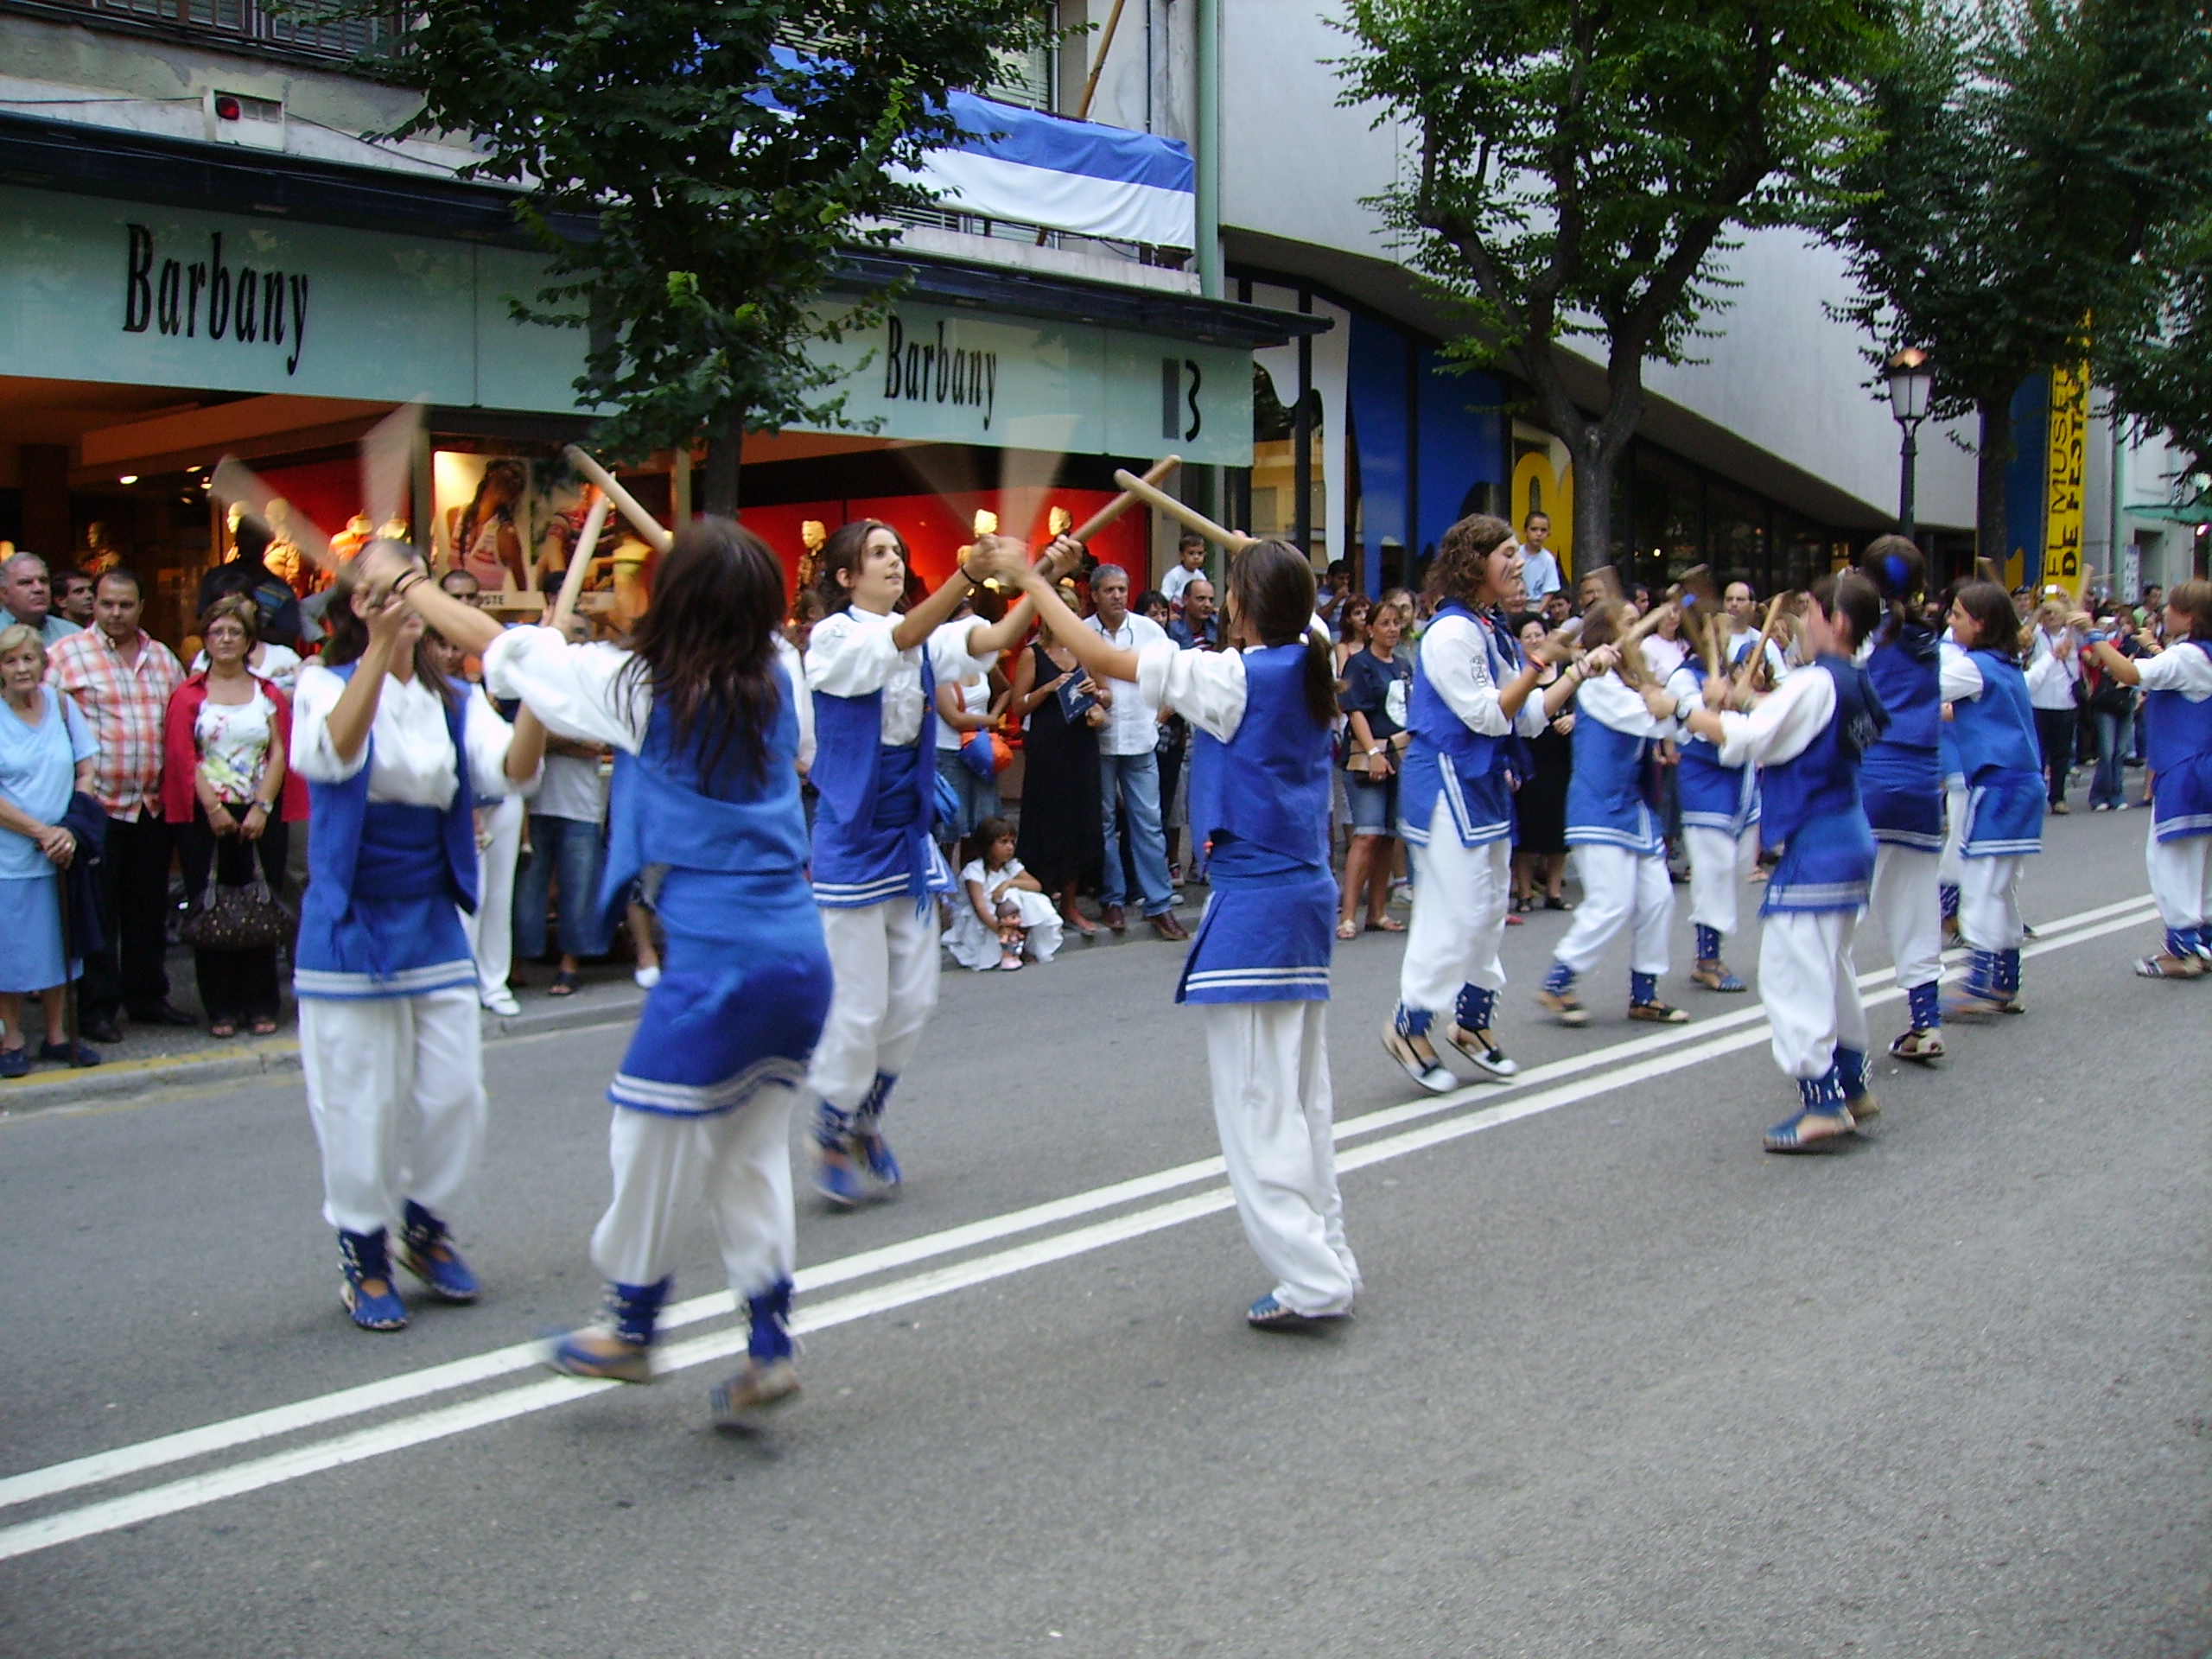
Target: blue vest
{"points": [[1714, 796], [1263, 798], [1996, 731], [1812, 804], [1901, 780], [378, 919], [1447, 757], [660, 810], [2178, 744], [878, 803], [1608, 800]]}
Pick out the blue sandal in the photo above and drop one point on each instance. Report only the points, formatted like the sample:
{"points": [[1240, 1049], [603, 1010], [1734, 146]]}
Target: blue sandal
{"points": [[1809, 1130]]}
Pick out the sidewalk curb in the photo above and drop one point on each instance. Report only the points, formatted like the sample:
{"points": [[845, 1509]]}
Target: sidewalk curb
{"points": [[266, 1057]]}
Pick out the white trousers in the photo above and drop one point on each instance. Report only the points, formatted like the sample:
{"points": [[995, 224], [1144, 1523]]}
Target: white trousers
{"points": [[1719, 865], [1989, 903], [885, 959], [1458, 923], [1809, 986], [1269, 1063], [491, 930], [739, 1162], [1906, 903], [396, 1088], [1954, 831], [1620, 889], [2181, 879]]}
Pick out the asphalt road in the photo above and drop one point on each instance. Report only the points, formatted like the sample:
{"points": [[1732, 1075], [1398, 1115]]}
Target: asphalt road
{"points": [[1619, 1383]]}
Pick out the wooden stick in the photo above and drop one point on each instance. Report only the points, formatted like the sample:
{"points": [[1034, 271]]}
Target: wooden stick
{"points": [[1190, 517], [1774, 612], [651, 528], [572, 579], [1158, 472], [1105, 45]]}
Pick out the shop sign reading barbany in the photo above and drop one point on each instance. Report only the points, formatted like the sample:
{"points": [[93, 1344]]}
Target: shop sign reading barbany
{"points": [[248, 305]]}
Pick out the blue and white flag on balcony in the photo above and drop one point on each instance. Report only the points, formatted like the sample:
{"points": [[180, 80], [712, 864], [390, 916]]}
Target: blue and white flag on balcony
{"points": [[1067, 175]]}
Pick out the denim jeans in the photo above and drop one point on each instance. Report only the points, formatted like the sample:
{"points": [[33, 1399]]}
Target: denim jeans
{"points": [[2115, 733], [1128, 785], [978, 796], [570, 849]]}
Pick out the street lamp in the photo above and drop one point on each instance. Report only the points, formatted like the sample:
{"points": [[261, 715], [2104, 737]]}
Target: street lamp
{"points": [[1909, 379]]}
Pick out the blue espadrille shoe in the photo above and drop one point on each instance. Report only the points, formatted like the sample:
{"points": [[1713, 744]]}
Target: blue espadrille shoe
{"points": [[366, 1289], [873, 1150], [1269, 1314], [769, 1376], [426, 1250], [620, 1349]]}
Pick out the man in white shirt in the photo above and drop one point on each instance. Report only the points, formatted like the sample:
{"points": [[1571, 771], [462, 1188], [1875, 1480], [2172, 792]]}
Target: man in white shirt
{"points": [[1129, 767], [1539, 565]]}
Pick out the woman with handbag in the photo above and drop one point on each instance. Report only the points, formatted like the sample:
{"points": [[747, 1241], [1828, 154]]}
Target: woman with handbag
{"points": [[225, 784]]}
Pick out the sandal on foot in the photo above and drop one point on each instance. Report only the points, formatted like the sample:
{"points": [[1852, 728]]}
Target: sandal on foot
{"points": [[761, 1384], [1268, 1315], [1657, 1014], [1426, 1069], [1385, 925], [1809, 1129], [599, 1355], [564, 984], [1481, 1050], [1554, 902], [2163, 966], [1715, 975], [222, 1028], [264, 1027], [1564, 1007], [1347, 929], [1922, 1044]]}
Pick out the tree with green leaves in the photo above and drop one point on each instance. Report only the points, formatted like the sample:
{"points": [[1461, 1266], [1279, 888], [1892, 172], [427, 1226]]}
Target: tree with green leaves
{"points": [[722, 174], [2161, 377], [1580, 166], [2032, 150]]}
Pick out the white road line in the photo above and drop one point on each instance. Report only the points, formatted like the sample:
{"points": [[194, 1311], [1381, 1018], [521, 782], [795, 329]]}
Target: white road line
{"points": [[1702, 1044]]}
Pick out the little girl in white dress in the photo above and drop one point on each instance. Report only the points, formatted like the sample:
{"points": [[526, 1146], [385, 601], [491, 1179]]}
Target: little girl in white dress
{"points": [[1001, 911]]}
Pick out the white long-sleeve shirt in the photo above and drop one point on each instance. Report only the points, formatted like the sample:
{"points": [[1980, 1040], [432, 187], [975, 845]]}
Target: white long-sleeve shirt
{"points": [[852, 653], [578, 690], [1784, 725], [2180, 668], [1611, 701], [1133, 720], [2053, 668], [1455, 659], [1959, 677], [409, 754], [1205, 687]]}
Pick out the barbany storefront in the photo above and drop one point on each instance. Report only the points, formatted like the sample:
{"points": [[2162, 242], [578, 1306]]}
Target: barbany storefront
{"points": [[165, 303]]}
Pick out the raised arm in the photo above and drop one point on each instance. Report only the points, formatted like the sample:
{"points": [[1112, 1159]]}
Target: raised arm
{"points": [[1105, 662]]}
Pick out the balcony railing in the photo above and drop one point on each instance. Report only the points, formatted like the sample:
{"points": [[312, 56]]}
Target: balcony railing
{"points": [[246, 23]]}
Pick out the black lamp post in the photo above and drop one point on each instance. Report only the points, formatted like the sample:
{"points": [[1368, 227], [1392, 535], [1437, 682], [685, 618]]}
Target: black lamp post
{"points": [[1910, 379]]}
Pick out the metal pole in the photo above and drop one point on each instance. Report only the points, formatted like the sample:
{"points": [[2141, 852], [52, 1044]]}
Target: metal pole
{"points": [[1904, 488], [1209, 155], [2119, 499]]}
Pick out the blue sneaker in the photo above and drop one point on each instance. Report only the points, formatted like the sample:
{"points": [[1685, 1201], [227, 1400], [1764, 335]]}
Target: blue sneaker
{"points": [[69, 1054], [367, 1291], [875, 1153], [426, 1250], [1268, 1315], [836, 1180]]}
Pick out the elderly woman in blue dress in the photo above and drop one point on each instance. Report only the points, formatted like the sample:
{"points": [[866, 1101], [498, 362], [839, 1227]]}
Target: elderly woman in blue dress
{"points": [[46, 754]]}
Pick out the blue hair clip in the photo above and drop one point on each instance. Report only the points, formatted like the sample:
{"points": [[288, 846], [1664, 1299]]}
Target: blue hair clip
{"points": [[1893, 567]]}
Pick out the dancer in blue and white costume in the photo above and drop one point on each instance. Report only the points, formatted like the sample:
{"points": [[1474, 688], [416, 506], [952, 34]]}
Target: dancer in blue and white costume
{"points": [[877, 871], [1720, 817], [1473, 694], [1613, 824], [707, 713], [2178, 707], [1995, 725], [1260, 716], [1807, 737], [393, 754], [1901, 781]]}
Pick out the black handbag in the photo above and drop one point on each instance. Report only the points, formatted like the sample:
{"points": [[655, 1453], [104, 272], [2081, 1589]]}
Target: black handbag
{"points": [[244, 917]]}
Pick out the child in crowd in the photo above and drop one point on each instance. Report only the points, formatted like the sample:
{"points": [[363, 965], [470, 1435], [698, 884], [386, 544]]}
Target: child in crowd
{"points": [[1003, 911]]}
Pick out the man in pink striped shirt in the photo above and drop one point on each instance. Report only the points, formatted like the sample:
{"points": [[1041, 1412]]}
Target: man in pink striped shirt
{"points": [[121, 677]]}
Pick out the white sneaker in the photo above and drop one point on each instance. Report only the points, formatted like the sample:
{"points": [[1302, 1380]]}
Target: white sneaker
{"points": [[647, 978], [500, 1001]]}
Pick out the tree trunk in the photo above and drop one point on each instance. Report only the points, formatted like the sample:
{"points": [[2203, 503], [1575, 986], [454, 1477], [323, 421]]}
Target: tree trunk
{"points": [[1594, 500], [724, 450], [1991, 540]]}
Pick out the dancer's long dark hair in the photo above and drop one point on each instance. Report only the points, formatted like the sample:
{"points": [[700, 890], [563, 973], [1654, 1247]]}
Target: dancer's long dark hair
{"points": [[349, 634], [1272, 585], [1855, 599], [1996, 627], [1899, 571], [707, 646]]}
